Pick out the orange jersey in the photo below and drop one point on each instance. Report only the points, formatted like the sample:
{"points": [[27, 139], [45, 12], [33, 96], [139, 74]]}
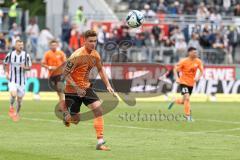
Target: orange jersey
{"points": [[83, 63], [188, 69], [55, 59]]}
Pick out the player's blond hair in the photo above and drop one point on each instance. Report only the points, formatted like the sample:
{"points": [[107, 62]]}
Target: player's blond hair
{"points": [[90, 33]]}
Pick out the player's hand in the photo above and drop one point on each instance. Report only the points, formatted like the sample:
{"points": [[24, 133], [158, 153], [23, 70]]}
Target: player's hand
{"points": [[25, 67], [7, 75], [196, 79], [110, 90], [52, 67]]}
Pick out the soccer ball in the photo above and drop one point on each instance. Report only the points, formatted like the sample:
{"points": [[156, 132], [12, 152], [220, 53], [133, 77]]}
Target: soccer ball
{"points": [[134, 18]]}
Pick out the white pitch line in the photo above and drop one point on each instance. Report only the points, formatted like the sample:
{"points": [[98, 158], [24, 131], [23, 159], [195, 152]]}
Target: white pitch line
{"points": [[142, 128], [219, 121], [198, 119]]}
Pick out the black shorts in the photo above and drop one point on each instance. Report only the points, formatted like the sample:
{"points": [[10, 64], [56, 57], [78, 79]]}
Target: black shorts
{"points": [[185, 89], [74, 101]]}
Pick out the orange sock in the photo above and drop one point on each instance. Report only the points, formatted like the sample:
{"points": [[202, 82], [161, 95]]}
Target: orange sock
{"points": [[179, 101], [187, 107], [98, 125]]}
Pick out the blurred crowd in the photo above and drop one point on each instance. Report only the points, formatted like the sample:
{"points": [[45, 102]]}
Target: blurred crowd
{"points": [[216, 43], [175, 40], [201, 8]]}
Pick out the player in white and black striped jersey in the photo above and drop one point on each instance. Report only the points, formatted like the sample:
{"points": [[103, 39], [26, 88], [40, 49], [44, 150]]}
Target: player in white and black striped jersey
{"points": [[16, 63]]}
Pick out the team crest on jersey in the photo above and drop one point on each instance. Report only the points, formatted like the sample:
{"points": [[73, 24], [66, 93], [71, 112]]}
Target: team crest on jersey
{"points": [[195, 65]]}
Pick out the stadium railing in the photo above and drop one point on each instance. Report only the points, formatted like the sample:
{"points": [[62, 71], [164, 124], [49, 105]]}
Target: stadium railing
{"points": [[165, 55]]}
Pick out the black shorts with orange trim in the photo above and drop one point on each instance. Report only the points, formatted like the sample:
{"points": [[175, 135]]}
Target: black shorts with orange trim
{"points": [[73, 101], [185, 89]]}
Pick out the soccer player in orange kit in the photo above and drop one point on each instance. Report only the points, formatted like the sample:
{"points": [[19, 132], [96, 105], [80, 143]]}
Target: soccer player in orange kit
{"points": [[53, 59], [185, 74], [78, 88]]}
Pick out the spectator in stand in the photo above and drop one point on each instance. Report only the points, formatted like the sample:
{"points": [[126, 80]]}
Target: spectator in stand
{"points": [[162, 7], [237, 10], [112, 36], [66, 29], [1, 19], [74, 38], [219, 45], [44, 38], [15, 30], [206, 38], [139, 40], [148, 13], [226, 6], [215, 16], [80, 19], [177, 34], [194, 42], [174, 8], [14, 35], [234, 39], [101, 39], [189, 7], [202, 12], [12, 14], [156, 31], [168, 52], [181, 48], [33, 32], [3, 45], [125, 35]]}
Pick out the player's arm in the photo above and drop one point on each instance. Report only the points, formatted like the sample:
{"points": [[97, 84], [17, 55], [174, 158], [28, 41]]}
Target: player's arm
{"points": [[28, 63], [45, 64], [176, 69], [102, 73], [69, 67], [6, 62], [105, 80], [198, 76]]}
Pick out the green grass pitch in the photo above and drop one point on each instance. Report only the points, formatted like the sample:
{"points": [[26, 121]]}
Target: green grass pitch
{"points": [[215, 134]]}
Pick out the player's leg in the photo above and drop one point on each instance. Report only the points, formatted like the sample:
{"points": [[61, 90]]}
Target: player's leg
{"points": [[187, 106], [178, 100], [92, 101], [71, 109], [16, 116], [20, 95], [13, 94], [98, 124]]}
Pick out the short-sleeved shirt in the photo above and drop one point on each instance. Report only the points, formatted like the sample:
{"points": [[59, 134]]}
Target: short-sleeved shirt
{"points": [[16, 72], [55, 59], [83, 63], [188, 69]]}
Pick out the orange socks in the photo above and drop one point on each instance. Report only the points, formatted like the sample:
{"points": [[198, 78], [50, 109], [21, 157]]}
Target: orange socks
{"points": [[186, 104], [187, 107], [98, 125]]}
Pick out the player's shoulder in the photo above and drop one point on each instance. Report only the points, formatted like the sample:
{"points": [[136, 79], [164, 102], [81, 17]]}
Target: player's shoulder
{"points": [[48, 52], [183, 60], [61, 52], [199, 60], [96, 53], [77, 53]]}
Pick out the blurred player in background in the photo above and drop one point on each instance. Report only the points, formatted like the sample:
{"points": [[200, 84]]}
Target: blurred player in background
{"points": [[53, 59], [185, 74], [16, 63], [78, 88]]}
